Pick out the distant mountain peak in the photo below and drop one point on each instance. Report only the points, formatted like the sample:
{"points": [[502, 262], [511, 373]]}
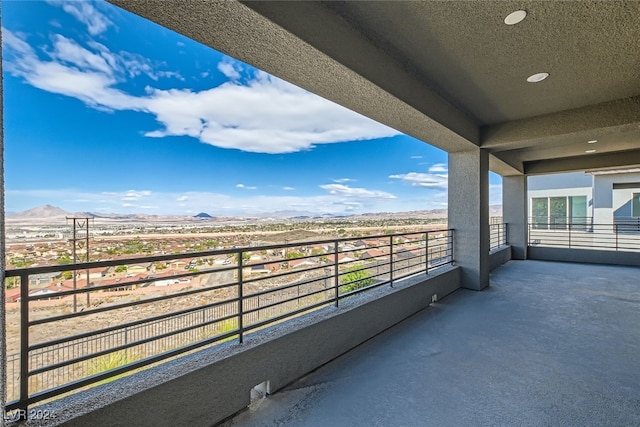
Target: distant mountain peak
{"points": [[203, 215], [44, 211]]}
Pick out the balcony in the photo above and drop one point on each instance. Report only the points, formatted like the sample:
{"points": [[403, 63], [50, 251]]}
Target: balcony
{"points": [[265, 303], [94, 328], [547, 344], [584, 241]]}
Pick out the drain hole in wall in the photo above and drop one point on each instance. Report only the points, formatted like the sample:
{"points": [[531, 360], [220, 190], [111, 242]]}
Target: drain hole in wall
{"points": [[260, 391]]}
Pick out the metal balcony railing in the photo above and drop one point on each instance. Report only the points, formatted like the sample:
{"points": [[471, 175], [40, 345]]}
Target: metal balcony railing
{"points": [[498, 235], [141, 311], [622, 236]]}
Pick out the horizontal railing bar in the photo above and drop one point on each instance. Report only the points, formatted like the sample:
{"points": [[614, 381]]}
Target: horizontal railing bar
{"points": [[287, 273], [37, 397], [273, 304], [365, 288], [131, 324], [126, 346], [96, 289], [440, 265], [285, 260], [156, 258], [129, 304], [289, 314], [287, 286]]}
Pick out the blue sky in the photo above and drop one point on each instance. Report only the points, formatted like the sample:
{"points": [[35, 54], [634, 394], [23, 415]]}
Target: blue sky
{"points": [[107, 112]]}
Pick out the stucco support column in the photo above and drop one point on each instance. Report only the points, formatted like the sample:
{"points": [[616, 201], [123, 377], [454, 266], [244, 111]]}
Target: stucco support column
{"points": [[515, 213], [3, 342], [469, 215]]}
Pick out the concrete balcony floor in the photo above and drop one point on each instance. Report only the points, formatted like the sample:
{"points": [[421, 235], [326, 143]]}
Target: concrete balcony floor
{"points": [[547, 344]]}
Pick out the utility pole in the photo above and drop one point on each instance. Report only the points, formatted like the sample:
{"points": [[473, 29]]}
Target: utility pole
{"points": [[80, 240]]}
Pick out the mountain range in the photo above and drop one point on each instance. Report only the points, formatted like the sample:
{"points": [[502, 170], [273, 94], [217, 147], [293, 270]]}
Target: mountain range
{"points": [[48, 212]]}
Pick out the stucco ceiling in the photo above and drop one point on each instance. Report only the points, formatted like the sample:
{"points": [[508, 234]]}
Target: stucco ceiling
{"points": [[450, 73]]}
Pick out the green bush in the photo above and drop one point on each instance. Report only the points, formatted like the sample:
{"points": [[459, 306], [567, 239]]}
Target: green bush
{"points": [[355, 278], [108, 362]]}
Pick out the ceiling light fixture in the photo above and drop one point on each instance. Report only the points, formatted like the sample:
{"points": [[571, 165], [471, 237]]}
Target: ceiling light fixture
{"points": [[590, 151], [593, 141], [537, 77], [515, 17]]}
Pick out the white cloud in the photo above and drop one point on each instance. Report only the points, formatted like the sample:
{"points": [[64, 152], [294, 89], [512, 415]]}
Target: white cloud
{"points": [[345, 190], [134, 196], [343, 180], [288, 188], [231, 69], [263, 114], [67, 50], [86, 13], [426, 180], [266, 115], [182, 199], [246, 187], [438, 167], [416, 157]]}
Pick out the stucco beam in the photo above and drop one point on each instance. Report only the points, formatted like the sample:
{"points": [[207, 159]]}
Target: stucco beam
{"points": [[581, 163], [590, 122], [504, 168]]}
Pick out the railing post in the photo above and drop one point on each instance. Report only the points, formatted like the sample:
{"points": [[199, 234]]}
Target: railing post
{"points": [[616, 229], [24, 344], [569, 235], [391, 261], [426, 252], [240, 298], [506, 233], [450, 241], [336, 277]]}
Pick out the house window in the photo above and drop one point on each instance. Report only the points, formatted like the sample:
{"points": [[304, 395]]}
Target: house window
{"points": [[578, 211], [540, 212], [559, 212], [635, 205]]}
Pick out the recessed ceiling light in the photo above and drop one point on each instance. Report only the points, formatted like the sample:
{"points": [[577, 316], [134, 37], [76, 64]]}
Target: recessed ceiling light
{"points": [[515, 17], [593, 141], [537, 77], [590, 151]]}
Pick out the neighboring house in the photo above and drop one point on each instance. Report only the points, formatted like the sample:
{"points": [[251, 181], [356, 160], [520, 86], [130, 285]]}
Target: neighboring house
{"points": [[592, 197], [295, 263], [42, 279], [12, 295], [139, 268], [374, 254], [98, 273], [345, 258]]}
